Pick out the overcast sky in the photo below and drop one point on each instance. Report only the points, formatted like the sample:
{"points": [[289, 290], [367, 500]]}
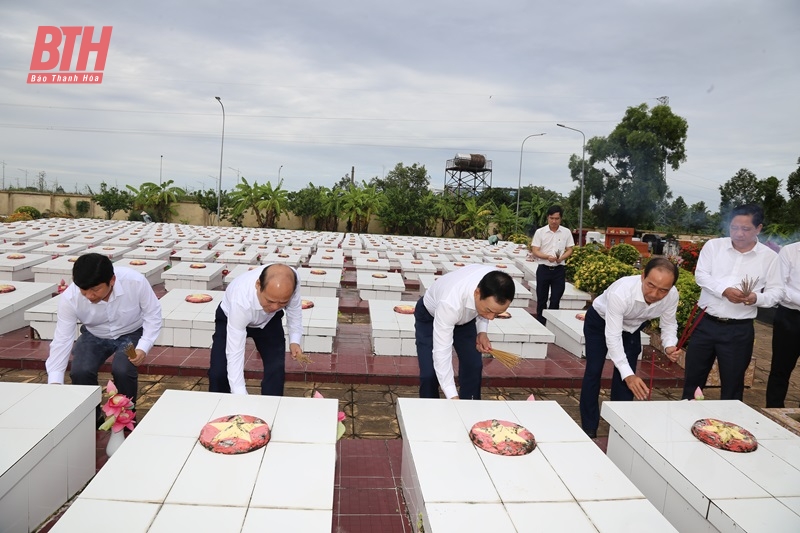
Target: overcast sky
{"points": [[318, 87]]}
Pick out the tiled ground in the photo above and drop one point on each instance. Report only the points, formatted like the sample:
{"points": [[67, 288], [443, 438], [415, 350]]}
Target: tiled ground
{"points": [[367, 491]]}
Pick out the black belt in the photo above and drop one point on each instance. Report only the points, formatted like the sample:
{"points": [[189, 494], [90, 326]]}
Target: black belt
{"points": [[551, 267], [729, 321]]}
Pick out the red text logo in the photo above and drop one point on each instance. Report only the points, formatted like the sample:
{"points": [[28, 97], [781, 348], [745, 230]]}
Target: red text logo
{"points": [[54, 49]]}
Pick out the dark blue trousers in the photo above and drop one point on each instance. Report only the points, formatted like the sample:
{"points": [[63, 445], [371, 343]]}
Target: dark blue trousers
{"points": [[470, 360], [594, 331], [271, 345], [90, 352], [550, 282]]}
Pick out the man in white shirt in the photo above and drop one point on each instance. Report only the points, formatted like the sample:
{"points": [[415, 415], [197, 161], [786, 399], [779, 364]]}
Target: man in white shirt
{"points": [[612, 326], [117, 307], [455, 313], [785, 327], [253, 306], [726, 331], [551, 246]]}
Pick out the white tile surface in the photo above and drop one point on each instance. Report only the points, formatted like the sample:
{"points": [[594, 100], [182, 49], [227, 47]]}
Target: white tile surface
{"points": [[623, 516], [548, 517], [219, 519], [459, 517], [98, 516], [308, 520], [311, 490]]}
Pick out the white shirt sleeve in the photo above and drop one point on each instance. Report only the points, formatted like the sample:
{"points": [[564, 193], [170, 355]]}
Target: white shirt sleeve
{"points": [[669, 323], [238, 320], [703, 275], [615, 311], [294, 317], [791, 292], [773, 289], [444, 321], [63, 338], [151, 316]]}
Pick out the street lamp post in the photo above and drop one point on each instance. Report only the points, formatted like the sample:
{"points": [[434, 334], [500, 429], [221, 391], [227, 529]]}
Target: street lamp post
{"points": [[583, 176], [160, 167], [221, 148], [279, 173], [519, 182]]}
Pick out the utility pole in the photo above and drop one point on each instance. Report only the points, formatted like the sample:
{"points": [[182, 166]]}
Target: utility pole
{"points": [[353, 175], [25, 170], [238, 174], [4, 176]]}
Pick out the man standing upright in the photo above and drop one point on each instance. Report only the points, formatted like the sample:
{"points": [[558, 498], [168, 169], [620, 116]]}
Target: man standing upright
{"points": [[551, 246], [785, 327], [736, 274]]}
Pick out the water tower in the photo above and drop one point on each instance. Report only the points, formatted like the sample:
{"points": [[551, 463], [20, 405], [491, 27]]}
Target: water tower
{"points": [[467, 175]]}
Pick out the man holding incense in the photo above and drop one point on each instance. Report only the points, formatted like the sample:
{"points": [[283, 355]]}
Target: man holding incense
{"points": [[612, 326]]}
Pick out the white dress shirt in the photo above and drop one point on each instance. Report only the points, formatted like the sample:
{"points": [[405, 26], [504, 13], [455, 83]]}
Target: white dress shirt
{"points": [[789, 259], [549, 242], [623, 308], [240, 304], [451, 301], [131, 305], [721, 266]]}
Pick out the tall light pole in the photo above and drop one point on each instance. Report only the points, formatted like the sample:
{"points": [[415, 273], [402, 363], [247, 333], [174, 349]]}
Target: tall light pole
{"points": [[160, 167], [519, 182], [221, 148], [583, 176], [279, 173]]}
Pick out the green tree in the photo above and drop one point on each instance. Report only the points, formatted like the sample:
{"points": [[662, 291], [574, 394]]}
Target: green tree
{"points": [[305, 204], [359, 204], [676, 215], [407, 206], [742, 188], [505, 219], [112, 200], [474, 220], [158, 198], [773, 202], [625, 171], [207, 200], [245, 196], [274, 202], [698, 219]]}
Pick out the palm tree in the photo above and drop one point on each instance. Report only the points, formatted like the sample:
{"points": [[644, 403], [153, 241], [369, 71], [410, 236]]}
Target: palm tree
{"points": [[506, 220], [245, 196], [474, 220], [446, 208], [157, 197], [359, 204], [274, 203], [327, 214]]}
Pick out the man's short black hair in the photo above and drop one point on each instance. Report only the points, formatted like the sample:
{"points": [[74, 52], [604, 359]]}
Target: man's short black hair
{"points": [[662, 263], [753, 210], [497, 284], [555, 209], [90, 270]]}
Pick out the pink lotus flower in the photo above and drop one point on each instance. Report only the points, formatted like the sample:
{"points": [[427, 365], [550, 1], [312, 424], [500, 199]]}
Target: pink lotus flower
{"points": [[118, 410], [125, 419]]}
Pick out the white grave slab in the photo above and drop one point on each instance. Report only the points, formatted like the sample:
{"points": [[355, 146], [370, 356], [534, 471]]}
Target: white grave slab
{"points": [[413, 268], [237, 270], [62, 248], [241, 257], [450, 485], [392, 333], [303, 251], [21, 234], [327, 260], [187, 324], [194, 255], [149, 252], [320, 281], [92, 239], [18, 267], [372, 264], [522, 296], [24, 296], [701, 488], [21, 247], [572, 299], [158, 242], [568, 330], [184, 275], [151, 269], [112, 252], [375, 285], [521, 334], [228, 246], [168, 469], [286, 259], [124, 240], [47, 449], [319, 324], [55, 270]]}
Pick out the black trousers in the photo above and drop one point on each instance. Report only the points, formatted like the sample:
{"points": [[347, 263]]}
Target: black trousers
{"points": [[470, 360], [785, 351], [731, 344], [594, 331], [550, 282], [271, 346]]}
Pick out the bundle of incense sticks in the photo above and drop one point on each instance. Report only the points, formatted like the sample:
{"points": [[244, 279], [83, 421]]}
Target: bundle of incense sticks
{"points": [[304, 359], [748, 284], [509, 360], [130, 351]]}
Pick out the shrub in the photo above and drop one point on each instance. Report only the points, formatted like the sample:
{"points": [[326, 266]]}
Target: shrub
{"points": [[688, 254], [82, 207], [32, 211], [519, 238], [18, 216], [579, 255], [597, 272], [625, 253]]}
